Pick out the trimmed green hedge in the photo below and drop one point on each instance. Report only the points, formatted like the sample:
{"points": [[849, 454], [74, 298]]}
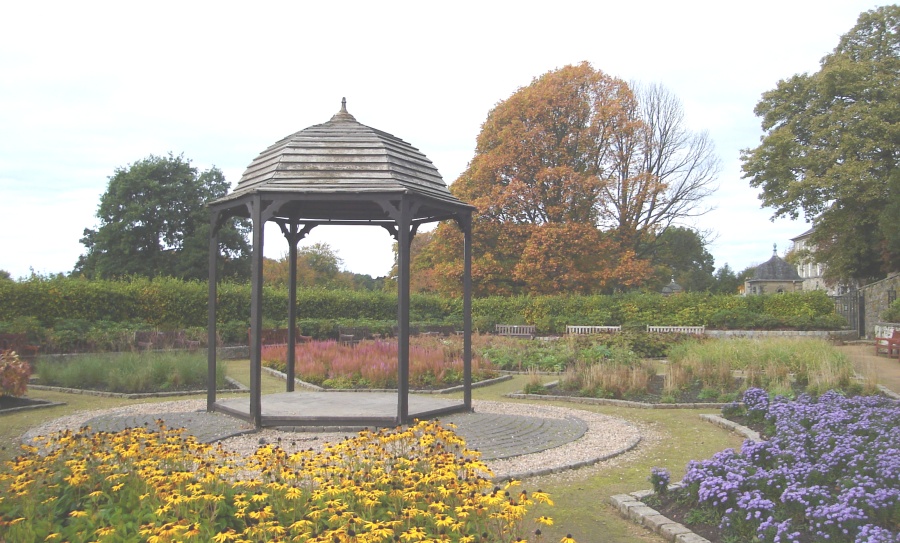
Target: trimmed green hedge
{"points": [[177, 304]]}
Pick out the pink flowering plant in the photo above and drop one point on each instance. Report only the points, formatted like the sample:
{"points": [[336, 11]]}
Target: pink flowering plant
{"points": [[14, 374], [434, 363], [829, 472]]}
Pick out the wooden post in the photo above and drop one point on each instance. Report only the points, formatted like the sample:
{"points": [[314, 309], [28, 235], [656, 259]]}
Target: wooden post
{"points": [[256, 295], [211, 339], [293, 239], [467, 312], [403, 242]]}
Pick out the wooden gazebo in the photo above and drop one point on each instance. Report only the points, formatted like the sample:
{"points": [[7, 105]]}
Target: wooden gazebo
{"points": [[337, 173]]}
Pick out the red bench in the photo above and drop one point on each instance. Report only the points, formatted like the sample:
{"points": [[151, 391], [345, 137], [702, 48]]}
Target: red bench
{"points": [[888, 345]]}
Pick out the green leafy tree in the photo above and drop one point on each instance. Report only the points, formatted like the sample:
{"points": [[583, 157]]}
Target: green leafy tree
{"points": [[681, 252], [5, 276], [154, 222], [729, 282], [831, 150]]}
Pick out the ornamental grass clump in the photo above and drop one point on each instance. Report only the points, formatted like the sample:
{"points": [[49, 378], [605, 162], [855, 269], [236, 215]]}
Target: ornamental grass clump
{"points": [[778, 364], [130, 373], [613, 373], [829, 472], [411, 484]]}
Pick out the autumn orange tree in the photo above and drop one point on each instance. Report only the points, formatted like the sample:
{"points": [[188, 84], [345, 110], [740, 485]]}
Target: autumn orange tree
{"points": [[573, 178]]}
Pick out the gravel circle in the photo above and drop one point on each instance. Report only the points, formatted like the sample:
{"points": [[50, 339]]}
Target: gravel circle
{"points": [[605, 438]]}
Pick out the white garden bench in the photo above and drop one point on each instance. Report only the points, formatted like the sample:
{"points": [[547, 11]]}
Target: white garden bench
{"points": [[515, 330], [696, 330], [593, 329]]}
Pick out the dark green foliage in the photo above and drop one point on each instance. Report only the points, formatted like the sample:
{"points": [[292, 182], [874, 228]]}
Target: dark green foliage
{"points": [[681, 253], [729, 282], [64, 314], [892, 313], [831, 146], [154, 222]]}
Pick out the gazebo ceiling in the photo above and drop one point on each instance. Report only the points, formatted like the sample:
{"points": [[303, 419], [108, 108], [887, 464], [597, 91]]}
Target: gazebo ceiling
{"points": [[339, 170]]}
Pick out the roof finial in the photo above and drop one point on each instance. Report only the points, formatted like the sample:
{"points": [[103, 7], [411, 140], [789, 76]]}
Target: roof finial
{"points": [[342, 116], [774, 249]]}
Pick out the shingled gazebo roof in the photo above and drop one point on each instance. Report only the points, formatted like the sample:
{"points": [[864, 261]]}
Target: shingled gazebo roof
{"points": [[338, 159], [776, 269]]}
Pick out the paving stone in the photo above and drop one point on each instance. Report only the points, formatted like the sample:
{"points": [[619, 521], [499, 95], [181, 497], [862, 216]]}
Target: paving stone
{"points": [[637, 513], [641, 494], [690, 538], [206, 427], [671, 531], [494, 435], [626, 506], [621, 501], [656, 522]]}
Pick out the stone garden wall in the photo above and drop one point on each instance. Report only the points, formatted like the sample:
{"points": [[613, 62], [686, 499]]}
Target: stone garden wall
{"points": [[844, 335], [876, 295]]}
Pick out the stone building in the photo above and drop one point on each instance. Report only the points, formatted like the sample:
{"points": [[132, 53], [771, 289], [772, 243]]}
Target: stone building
{"points": [[773, 276], [811, 272]]}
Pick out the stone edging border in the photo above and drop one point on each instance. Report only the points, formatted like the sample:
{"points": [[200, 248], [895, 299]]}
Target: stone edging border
{"points": [[888, 392], [616, 403], [238, 387], [317, 388], [41, 405], [722, 422], [630, 505]]}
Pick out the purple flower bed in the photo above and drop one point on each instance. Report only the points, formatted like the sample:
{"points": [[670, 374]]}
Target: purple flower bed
{"points": [[830, 472]]}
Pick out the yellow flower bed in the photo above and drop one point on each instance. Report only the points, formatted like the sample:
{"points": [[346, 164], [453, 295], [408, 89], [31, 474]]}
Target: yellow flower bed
{"points": [[416, 484]]}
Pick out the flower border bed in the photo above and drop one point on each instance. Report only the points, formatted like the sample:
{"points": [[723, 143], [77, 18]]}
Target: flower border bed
{"points": [[237, 387], [743, 481]]}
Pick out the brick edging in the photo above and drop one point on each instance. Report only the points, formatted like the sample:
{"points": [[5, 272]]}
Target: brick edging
{"points": [[722, 422], [631, 507]]}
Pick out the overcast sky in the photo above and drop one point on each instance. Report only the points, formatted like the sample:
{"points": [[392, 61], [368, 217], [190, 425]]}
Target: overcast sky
{"points": [[86, 87]]}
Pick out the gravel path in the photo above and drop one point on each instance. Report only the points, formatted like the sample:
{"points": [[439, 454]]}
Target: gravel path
{"points": [[516, 439]]}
